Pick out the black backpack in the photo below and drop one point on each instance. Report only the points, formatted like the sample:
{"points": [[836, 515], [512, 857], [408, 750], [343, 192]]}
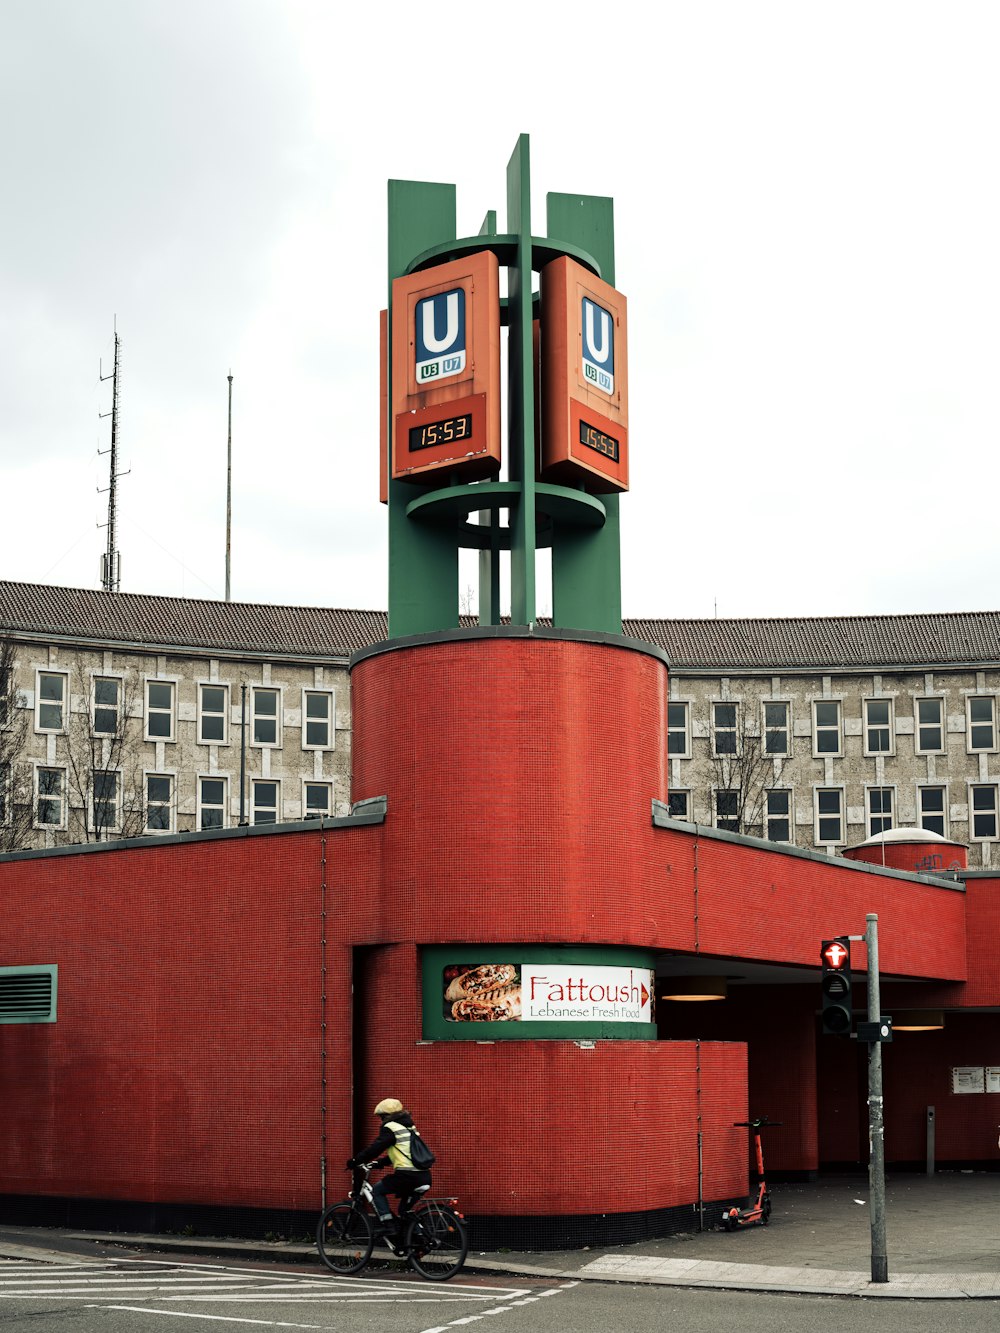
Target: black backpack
{"points": [[420, 1155]]}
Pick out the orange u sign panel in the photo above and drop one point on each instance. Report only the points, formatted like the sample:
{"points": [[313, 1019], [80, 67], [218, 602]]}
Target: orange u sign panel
{"points": [[446, 369], [584, 379]]}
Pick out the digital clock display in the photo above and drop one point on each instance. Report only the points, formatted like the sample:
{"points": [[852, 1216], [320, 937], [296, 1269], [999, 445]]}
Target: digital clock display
{"points": [[449, 431], [599, 441]]}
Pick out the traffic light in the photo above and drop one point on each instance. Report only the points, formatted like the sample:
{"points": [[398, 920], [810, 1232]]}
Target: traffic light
{"points": [[836, 986]]}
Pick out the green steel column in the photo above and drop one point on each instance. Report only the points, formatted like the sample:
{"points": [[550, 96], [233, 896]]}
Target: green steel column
{"points": [[586, 562], [423, 558], [521, 390], [489, 557]]}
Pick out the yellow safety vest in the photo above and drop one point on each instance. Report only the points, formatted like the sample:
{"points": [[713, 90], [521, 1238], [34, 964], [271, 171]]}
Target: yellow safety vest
{"points": [[399, 1153]]}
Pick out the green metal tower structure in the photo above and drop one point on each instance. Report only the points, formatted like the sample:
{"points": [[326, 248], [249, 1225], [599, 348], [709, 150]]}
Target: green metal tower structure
{"points": [[428, 524]]}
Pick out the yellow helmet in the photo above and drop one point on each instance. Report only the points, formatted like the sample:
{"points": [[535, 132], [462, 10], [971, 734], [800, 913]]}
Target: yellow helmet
{"points": [[388, 1106]]}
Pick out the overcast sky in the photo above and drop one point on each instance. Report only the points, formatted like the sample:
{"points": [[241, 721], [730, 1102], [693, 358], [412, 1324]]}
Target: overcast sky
{"points": [[807, 213]]}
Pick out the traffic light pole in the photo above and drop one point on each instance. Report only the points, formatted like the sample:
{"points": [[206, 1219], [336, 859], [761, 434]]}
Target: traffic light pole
{"points": [[876, 1119]]}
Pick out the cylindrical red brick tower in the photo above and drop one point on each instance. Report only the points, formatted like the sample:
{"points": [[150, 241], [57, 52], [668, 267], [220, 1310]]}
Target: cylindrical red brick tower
{"points": [[519, 770]]}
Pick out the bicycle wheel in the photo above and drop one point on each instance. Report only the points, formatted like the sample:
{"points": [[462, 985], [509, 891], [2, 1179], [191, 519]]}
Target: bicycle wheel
{"points": [[345, 1238], [437, 1241]]}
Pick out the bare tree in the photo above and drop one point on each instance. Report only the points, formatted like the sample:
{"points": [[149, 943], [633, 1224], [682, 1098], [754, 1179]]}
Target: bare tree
{"points": [[104, 762], [15, 771], [748, 749]]}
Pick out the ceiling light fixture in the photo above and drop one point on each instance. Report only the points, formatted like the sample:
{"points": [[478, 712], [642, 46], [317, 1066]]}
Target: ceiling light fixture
{"points": [[693, 988], [918, 1020]]}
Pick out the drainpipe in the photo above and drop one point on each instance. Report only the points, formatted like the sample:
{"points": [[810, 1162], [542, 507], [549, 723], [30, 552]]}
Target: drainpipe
{"points": [[243, 754]]}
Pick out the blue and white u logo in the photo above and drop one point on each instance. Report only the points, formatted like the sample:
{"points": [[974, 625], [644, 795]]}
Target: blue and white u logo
{"points": [[598, 346], [439, 335]]}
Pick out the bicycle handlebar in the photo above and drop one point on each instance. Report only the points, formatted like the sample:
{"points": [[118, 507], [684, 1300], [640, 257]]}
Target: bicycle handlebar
{"points": [[761, 1122]]}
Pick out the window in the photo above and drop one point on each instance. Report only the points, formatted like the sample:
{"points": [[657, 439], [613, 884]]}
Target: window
{"points": [[107, 694], [778, 816], [105, 801], [159, 802], [6, 695], [317, 799], [213, 711], [264, 705], [679, 805], [50, 793], [727, 812], [159, 710], [984, 811], [982, 722], [678, 736], [211, 803], [775, 730], [930, 726], [317, 720], [4, 794], [724, 728], [50, 713], [878, 726], [932, 809], [265, 802], [826, 727], [28, 994], [829, 814], [879, 810]]}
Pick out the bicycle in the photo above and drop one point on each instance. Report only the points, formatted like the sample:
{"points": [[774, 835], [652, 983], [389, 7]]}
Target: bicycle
{"points": [[759, 1211], [435, 1238]]}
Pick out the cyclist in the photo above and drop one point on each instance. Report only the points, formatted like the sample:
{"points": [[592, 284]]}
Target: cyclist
{"points": [[393, 1140]]}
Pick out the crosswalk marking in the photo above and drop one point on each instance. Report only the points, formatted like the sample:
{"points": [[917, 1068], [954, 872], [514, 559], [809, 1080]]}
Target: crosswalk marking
{"points": [[143, 1281]]}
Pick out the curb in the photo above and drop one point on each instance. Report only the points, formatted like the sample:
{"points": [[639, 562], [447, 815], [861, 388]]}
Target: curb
{"points": [[755, 1278]]}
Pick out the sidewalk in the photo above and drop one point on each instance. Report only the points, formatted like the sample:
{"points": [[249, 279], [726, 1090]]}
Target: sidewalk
{"points": [[943, 1241]]}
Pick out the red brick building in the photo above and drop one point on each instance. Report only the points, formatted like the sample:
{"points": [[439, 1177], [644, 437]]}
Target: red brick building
{"points": [[228, 1006]]}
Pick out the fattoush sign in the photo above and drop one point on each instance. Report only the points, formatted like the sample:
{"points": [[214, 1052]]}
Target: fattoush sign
{"points": [[546, 992]]}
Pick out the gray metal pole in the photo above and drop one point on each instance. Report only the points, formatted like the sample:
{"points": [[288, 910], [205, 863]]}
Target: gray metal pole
{"points": [[930, 1140], [229, 482], [876, 1117]]}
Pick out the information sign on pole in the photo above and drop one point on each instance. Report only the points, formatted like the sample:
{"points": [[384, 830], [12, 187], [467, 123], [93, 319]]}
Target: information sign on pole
{"points": [[446, 369], [584, 379]]}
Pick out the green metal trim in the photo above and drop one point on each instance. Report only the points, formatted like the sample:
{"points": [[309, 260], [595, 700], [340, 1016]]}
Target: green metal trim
{"points": [[51, 970], [435, 957], [563, 503], [543, 249], [589, 220], [521, 389], [539, 634]]}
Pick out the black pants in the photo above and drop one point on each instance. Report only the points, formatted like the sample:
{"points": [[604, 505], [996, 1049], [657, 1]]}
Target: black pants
{"points": [[402, 1184]]}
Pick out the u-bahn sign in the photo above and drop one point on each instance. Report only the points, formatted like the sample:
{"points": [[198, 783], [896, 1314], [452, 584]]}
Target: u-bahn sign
{"points": [[446, 369], [584, 379]]}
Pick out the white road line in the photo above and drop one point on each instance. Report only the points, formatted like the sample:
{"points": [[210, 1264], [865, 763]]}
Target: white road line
{"points": [[500, 1309], [217, 1318], [144, 1281]]}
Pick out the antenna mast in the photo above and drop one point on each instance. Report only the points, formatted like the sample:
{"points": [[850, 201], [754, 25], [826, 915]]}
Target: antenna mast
{"points": [[111, 564], [229, 481]]}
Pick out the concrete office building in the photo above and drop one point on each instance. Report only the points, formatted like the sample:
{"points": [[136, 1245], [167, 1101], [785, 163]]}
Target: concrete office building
{"points": [[818, 732]]}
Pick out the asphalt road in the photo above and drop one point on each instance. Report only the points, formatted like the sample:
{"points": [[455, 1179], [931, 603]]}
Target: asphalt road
{"points": [[145, 1295]]}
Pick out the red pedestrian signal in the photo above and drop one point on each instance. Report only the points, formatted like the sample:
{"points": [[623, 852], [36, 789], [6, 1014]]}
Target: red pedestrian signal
{"points": [[836, 954], [836, 1014]]}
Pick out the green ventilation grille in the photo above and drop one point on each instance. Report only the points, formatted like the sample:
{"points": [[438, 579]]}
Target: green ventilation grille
{"points": [[28, 994]]}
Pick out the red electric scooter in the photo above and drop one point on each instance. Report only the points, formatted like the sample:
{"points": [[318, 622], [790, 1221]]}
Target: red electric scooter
{"points": [[759, 1211]]}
